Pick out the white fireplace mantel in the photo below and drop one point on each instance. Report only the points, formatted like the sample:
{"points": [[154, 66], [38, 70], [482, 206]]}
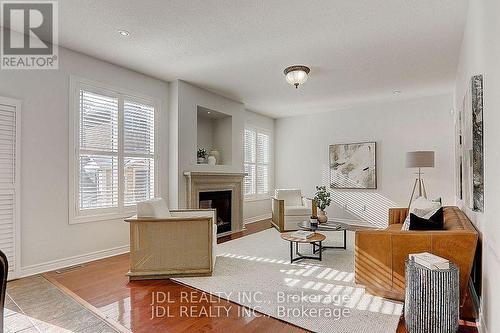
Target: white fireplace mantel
{"points": [[200, 181]]}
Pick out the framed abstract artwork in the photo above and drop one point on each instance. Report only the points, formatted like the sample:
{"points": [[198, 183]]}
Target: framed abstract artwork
{"points": [[477, 143], [353, 165], [470, 146]]}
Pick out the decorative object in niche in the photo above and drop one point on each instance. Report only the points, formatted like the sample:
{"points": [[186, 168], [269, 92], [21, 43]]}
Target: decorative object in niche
{"points": [[202, 155], [353, 166], [215, 153], [211, 160]]}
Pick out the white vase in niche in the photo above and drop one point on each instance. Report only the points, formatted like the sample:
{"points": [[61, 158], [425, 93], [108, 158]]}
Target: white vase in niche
{"points": [[211, 160], [215, 153]]}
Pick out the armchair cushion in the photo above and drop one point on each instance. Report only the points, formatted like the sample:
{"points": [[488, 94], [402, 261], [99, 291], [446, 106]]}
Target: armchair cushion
{"points": [[292, 197], [297, 210], [156, 207]]}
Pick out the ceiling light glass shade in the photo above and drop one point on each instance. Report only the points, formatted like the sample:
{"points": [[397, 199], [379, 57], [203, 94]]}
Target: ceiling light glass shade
{"points": [[296, 75]]}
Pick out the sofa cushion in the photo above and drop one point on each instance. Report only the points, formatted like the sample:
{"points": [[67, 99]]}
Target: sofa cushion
{"points": [[292, 197], [297, 211], [156, 207], [434, 222]]}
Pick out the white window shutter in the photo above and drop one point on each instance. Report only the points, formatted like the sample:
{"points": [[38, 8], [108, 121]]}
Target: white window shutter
{"points": [[249, 181], [115, 152], [262, 179], [257, 160], [139, 148], [8, 184], [250, 146], [263, 148], [250, 159], [98, 158], [98, 122]]}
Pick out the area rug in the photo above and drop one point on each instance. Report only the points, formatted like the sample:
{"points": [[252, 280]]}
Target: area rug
{"points": [[255, 271]]}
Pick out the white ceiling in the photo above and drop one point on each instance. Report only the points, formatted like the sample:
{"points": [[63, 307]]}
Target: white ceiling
{"points": [[359, 51]]}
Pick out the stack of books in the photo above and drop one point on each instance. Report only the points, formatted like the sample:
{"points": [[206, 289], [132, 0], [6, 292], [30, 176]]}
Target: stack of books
{"points": [[302, 234], [430, 260]]}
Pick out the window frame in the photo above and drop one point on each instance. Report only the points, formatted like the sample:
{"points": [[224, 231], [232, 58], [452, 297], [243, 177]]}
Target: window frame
{"points": [[269, 133], [76, 215]]}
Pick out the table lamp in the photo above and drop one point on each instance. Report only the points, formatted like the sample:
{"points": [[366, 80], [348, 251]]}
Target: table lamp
{"points": [[419, 159]]}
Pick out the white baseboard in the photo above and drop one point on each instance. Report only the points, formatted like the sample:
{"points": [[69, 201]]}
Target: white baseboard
{"points": [[71, 261], [257, 218]]}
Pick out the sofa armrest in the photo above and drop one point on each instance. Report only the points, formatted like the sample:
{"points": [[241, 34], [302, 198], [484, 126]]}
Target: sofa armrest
{"points": [[278, 213], [373, 259], [168, 219], [397, 215], [194, 213]]}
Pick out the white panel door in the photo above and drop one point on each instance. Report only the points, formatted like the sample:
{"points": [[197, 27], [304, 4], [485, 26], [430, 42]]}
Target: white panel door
{"points": [[10, 112]]}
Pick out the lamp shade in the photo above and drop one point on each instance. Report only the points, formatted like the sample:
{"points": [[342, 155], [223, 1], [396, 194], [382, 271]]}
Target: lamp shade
{"points": [[420, 159]]}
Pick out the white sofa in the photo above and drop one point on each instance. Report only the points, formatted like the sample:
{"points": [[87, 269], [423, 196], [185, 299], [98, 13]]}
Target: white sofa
{"points": [[170, 243], [289, 208]]}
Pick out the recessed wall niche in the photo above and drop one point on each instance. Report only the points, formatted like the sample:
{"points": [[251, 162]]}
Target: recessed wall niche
{"points": [[214, 131]]}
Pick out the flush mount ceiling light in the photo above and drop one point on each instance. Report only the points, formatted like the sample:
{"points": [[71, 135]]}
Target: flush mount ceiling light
{"points": [[397, 92], [124, 33], [296, 74]]}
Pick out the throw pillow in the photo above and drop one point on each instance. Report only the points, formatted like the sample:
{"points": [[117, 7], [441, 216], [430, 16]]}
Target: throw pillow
{"points": [[421, 207], [434, 222]]}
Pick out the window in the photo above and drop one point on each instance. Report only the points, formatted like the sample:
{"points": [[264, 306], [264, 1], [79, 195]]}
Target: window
{"points": [[113, 166], [257, 163]]}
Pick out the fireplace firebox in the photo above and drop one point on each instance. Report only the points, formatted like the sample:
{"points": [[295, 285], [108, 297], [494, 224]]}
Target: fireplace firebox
{"points": [[221, 202]]}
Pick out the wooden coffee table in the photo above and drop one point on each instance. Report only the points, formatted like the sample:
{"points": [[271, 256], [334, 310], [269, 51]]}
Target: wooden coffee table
{"points": [[316, 241]]}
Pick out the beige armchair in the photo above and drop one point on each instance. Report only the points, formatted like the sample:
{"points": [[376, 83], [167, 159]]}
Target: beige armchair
{"points": [[174, 243], [289, 208]]}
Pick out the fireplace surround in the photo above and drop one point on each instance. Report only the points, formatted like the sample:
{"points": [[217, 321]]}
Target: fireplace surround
{"points": [[200, 183]]}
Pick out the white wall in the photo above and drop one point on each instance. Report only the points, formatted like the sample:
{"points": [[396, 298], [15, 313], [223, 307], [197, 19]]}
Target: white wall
{"points": [[184, 101], [480, 54], [259, 209], [205, 132], [47, 238], [419, 124], [222, 138]]}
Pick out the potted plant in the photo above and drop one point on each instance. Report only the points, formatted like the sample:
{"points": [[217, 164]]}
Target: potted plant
{"points": [[202, 155], [322, 199]]}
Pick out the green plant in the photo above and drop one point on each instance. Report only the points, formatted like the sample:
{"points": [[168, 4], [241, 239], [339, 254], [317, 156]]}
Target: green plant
{"points": [[322, 197], [202, 153]]}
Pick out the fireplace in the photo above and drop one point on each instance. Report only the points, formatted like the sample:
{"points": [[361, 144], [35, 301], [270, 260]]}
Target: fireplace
{"points": [[221, 202], [220, 190]]}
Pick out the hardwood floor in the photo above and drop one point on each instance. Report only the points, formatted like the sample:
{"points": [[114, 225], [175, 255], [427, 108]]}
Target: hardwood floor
{"points": [[103, 287]]}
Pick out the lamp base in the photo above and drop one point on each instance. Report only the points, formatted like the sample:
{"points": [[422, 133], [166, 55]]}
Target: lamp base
{"points": [[421, 189]]}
